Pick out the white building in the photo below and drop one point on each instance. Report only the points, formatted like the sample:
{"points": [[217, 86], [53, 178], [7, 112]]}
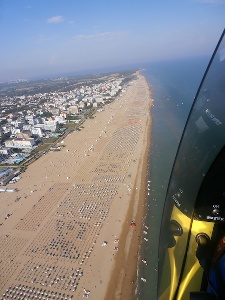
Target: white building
{"points": [[60, 119], [20, 143], [73, 109], [37, 131], [15, 131], [27, 127], [6, 151], [50, 125]]}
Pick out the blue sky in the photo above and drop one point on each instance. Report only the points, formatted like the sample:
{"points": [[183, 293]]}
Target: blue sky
{"points": [[40, 37]]}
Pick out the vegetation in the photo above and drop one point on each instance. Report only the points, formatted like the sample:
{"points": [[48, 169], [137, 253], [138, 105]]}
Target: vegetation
{"points": [[71, 117], [46, 114], [5, 136]]}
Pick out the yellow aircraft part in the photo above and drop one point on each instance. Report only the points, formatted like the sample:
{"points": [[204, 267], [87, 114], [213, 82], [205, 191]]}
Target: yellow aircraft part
{"points": [[192, 274], [174, 260]]}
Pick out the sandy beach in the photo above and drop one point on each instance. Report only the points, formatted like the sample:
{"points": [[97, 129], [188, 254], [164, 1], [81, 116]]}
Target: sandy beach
{"points": [[68, 235]]}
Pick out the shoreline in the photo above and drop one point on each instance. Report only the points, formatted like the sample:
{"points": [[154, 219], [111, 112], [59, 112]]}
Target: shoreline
{"points": [[72, 212], [124, 285]]}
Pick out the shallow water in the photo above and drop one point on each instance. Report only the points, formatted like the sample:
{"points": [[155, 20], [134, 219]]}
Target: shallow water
{"points": [[174, 85]]}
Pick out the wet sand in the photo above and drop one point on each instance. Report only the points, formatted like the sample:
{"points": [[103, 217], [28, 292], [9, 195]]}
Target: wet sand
{"points": [[69, 202]]}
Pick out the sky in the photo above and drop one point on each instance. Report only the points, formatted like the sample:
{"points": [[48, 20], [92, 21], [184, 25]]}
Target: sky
{"points": [[42, 37]]}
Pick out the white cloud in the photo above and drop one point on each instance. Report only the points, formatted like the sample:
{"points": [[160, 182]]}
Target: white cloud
{"points": [[98, 36], [55, 19]]}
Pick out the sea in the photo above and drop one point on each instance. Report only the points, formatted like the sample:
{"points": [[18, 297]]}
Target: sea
{"points": [[174, 84]]}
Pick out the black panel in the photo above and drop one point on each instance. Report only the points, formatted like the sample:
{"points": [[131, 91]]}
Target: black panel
{"points": [[210, 204]]}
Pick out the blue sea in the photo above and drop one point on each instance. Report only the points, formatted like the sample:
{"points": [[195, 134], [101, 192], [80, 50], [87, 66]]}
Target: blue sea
{"points": [[174, 85]]}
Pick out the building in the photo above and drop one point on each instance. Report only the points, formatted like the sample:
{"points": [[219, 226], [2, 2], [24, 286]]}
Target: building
{"points": [[24, 135], [20, 143], [48, 125], [73, 109], [37, 132], [60, 119]]}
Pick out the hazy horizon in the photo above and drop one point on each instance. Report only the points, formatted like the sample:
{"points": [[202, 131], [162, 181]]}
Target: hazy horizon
{"points": [[104, 70]]}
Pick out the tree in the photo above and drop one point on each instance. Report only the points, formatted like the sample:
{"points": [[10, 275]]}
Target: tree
{"points": [[46, 114]]}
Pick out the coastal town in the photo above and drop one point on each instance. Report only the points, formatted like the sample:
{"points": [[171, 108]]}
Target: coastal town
{"points": [[35, 116], [71, 221]]}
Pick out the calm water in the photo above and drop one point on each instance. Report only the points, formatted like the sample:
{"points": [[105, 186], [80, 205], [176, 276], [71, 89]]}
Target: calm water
{"points": [[174, 85]]}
